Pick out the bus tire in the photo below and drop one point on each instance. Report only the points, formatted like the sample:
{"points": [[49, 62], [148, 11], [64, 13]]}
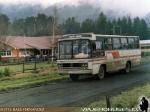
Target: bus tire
{"points": [[102, 72], [127, 68], [74, 77]]}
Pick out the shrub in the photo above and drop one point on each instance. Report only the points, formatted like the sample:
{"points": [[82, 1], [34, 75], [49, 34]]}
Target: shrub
{"points": [[6, 72], [35, 71], [1, 73], [145, 54]]}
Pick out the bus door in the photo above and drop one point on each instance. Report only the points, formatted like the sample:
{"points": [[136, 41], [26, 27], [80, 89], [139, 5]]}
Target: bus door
{"points": [[108, 47]]}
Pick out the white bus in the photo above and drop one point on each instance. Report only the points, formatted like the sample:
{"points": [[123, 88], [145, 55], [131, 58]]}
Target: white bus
{"points": [[96, 54]]}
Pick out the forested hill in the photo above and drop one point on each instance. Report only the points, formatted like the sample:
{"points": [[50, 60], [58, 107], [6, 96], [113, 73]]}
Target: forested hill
{"points": [[38, 21], [64, 11]]}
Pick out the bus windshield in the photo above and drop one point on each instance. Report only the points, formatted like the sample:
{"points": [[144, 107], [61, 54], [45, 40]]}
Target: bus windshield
{"points": [[74, 49]]}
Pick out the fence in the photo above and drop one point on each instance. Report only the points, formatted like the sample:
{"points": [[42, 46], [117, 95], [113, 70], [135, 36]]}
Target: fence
{"points": [[34, 66], [108, 104]]}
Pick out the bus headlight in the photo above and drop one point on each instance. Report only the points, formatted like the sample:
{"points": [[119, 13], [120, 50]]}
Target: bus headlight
{"points": [[59, 65], [85, 65]]}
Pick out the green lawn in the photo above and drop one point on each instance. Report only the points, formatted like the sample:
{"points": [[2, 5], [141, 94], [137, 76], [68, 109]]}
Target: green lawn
{"points": [[145, 60], [127, 99], [45, 73], [10, 82], [19, 68]]}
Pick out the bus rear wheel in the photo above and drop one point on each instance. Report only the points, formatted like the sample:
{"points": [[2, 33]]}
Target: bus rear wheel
{"points": [[74, 77], [102, 72], [127, 68]]}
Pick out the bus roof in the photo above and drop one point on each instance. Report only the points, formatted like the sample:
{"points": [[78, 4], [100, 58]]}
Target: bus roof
{"points": [[103, 35], [91, 36]]}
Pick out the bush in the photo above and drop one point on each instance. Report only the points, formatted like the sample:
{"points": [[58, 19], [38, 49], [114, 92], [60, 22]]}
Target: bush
{"points": [[1, 73], [6, 72], [35, 71], [145, 54]]}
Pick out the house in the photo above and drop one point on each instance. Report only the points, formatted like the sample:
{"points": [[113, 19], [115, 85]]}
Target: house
{"points": [[17, 47], [145, 45]]}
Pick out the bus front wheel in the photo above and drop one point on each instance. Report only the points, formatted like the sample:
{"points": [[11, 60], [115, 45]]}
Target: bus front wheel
{"points": [[102, 72], [74, 77], [127, 68]]}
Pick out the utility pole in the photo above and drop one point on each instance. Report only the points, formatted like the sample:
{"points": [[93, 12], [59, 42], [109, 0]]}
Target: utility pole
{"points": [[53, 40], [34, 26], [24, 41]]}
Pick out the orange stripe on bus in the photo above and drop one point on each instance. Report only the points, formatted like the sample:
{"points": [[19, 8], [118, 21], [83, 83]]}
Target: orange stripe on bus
{"points": [[115, 54]]}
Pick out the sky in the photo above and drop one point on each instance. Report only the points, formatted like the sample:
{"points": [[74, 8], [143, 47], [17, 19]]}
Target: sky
{"points": [[44, 3], [133, 7]]}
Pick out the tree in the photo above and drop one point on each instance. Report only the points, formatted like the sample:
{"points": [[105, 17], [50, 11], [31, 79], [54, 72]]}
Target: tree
{"points": [[41, 24], [109, 27], [71, 26], [101, 23], [87, 26], [4, 24], [129, 26], [18, 27], [30, 26], [144, 29], [114, 24], [140, 28]]}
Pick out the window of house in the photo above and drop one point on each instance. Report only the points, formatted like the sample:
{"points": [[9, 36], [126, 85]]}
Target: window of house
{"points": [[8, 53], [116, 43], [5, 53]]}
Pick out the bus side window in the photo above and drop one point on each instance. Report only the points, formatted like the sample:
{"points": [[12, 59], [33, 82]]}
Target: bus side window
{"points": [[99, 45], [136, 40], [124, 43], [131, 44], [98, 48], [108, 44], [116, 43]]}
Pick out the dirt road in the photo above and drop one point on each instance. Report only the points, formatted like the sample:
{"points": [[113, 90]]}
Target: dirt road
{"points": [[68, 93]]}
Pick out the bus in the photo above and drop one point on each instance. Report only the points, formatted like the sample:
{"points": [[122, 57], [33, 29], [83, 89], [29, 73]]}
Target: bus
{"points": [[97, 54]]}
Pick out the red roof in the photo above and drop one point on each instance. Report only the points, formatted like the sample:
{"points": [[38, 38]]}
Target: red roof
{"points": [[19, 42]]}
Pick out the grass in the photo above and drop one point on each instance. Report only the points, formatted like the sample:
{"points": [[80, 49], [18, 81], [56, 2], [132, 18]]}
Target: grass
{"points": [[43, 65], [130, 98], [127, 99], [45, 73], [11, 83], [19, 68], [145, 60]]}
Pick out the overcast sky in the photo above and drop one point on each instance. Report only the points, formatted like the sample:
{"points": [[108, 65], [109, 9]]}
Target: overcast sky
{"points": [[134, 7]]}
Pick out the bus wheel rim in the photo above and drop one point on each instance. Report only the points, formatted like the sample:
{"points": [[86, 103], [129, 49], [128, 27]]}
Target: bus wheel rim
{"points": [[128, 68], [101, 73]]}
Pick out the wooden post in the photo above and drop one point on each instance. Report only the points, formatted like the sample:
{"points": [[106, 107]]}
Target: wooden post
{"points": [[35, 65], [108, 103], [23, 68]]}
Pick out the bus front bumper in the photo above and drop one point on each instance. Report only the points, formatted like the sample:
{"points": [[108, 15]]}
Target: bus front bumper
{"points": [[65, 71]]}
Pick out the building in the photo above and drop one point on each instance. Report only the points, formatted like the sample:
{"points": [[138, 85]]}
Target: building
{"points": [[17, 47], [145, 45]]}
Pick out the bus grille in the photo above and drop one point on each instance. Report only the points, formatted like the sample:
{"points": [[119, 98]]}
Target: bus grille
{"points": [[72, 65]]}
